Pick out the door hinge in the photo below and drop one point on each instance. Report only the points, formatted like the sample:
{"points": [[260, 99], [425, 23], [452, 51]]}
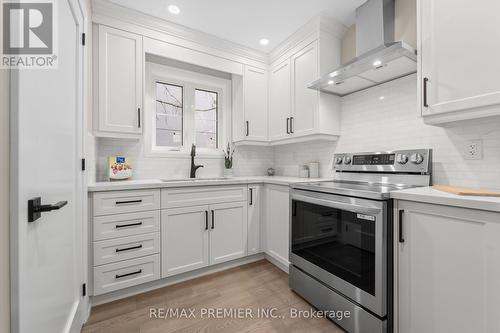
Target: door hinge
{"points": [[83, 164], [84, 289], [83, 39]]}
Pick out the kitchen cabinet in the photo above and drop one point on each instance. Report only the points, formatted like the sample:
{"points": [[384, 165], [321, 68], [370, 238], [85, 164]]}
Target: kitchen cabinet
{"points": [[447, 261], [228, 232], [184, 239], [254, 219], [279, 101], [118, 72], [277, 223], [458, 61], [250, 108]]}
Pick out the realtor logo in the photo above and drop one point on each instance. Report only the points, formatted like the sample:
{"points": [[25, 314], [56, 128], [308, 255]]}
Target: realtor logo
{"points": [[28, 34]]}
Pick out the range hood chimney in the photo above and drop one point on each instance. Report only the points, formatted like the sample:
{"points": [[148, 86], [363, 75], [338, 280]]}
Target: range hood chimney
{"points": [[379, 57]]}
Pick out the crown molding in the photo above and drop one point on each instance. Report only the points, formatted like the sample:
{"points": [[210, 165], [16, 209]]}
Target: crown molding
{"points": [[112, 10], [318, 23]]}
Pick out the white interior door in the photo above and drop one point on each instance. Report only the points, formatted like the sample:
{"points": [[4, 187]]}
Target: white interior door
{"points": [[47, 147]]}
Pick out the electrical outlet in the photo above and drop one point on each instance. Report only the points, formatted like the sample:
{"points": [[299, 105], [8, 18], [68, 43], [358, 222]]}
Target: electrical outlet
{"points": [[473, 150]]}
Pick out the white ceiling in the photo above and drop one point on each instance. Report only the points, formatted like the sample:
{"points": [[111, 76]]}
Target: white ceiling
{"points": [[247, 21]]}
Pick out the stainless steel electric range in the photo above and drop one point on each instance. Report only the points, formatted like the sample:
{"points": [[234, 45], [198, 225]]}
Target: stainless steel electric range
{"points": [[341, 235]]}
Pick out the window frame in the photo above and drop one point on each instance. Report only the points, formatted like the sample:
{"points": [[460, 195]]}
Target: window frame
{"points": [[189, 81]]}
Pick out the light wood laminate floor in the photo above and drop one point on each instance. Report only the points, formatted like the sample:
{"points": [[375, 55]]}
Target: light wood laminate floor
{"points": [[258, 285]]}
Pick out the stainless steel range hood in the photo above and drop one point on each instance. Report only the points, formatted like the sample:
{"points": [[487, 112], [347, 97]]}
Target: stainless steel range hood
{"points": [[379, 57]]}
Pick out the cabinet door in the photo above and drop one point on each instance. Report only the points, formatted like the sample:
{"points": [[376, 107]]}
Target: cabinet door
{"points": [[228, 231], [305, 101], [277, 223], [460, 52], [255, 103], [279, 101], [254, 218], [120, 66], [448, 266], [184, 239]]}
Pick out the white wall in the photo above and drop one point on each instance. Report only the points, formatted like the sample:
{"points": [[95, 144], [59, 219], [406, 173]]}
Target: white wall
{"points": [[371, 124], [4, 203]]}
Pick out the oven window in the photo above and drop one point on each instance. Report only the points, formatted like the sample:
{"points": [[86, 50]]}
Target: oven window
{"points": [[340, 242]]}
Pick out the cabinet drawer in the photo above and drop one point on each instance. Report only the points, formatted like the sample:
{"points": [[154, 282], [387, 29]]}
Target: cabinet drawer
{"points": [[116, 202], [122, 225], [126, 274], [118, 249], [196, 196]]}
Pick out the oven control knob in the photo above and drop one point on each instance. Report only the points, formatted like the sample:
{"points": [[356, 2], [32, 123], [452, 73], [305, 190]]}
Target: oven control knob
{"points": [[416, 158], [401, 158], [338, 160], [347, 160]]}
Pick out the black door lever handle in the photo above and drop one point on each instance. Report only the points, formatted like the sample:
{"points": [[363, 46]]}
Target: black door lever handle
{"points": [[35, 208]]}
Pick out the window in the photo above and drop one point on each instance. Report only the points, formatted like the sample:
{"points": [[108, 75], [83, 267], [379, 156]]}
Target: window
{"points": [[185, 108], [206, 118], [169, 113]]}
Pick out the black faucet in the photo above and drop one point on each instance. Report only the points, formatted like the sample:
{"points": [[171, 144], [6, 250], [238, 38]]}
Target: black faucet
{"points": [[194, 167]]}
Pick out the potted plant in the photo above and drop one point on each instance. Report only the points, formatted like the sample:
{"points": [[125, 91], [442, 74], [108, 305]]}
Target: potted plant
{"points": [[228, 160]]}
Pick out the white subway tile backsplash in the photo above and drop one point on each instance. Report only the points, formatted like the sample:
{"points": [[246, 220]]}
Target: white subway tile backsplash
{"points": [[368, 123]]}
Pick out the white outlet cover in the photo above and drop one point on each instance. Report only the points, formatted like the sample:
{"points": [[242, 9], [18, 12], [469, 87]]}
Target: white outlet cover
{"points": [[473, 150]]}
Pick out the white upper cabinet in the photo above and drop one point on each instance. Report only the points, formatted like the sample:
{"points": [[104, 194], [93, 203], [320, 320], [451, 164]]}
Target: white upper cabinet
{"points": [[305, 101], [253, 111], [459, 60], [279, 101], [119, 73]]}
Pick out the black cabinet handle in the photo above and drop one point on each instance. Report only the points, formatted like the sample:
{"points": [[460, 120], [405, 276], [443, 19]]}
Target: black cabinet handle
{"points": [[206, 220], [401, 239], [35, 208], [139, 117], [117, 276], [213, 219], [129, 248], [127, 202], [287, 125], [247, 128], [118, 226], [425, 92], [251, 196], [291, 125]]}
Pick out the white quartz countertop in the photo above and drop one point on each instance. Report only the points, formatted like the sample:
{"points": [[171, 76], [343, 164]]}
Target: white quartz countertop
{"points": [[157, 183], [430, 195]]}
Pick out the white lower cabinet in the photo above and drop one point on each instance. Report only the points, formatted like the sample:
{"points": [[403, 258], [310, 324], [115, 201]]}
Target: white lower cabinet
{"points": [[199, 236], [184, 239], [228, 232], [277, 222], [254, 219], [448, 269]]}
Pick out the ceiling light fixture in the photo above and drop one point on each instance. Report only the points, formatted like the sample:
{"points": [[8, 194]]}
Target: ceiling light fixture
{"points": [[264, 41], [174, 9], [381, 98], [330, 82], [377, 63], [333, 74]]}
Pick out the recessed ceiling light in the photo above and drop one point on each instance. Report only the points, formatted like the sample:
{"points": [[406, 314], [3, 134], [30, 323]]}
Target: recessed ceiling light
{"points": [[174, 9], [330, 82], [377, 63], [333, 74], [381, 98], [264, 41]]}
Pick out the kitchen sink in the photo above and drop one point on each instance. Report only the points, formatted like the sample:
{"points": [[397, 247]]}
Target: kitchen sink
{"points": [[194, 179]]}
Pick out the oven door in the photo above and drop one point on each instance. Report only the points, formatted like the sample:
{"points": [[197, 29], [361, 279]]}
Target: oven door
{"points": [[342, 241]]}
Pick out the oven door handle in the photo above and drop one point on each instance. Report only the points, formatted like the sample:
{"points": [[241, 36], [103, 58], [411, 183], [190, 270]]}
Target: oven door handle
{"points": [[339, 205]]}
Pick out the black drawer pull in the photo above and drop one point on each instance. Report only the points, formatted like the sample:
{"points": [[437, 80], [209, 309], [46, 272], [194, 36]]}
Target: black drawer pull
{"points": [[251, 196], [118, 276], [206, 220], [291, 126], [118, 226], [129, 248], [287, 125], [127, 202], [326, 229], [401, 238], [213, 220]]}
